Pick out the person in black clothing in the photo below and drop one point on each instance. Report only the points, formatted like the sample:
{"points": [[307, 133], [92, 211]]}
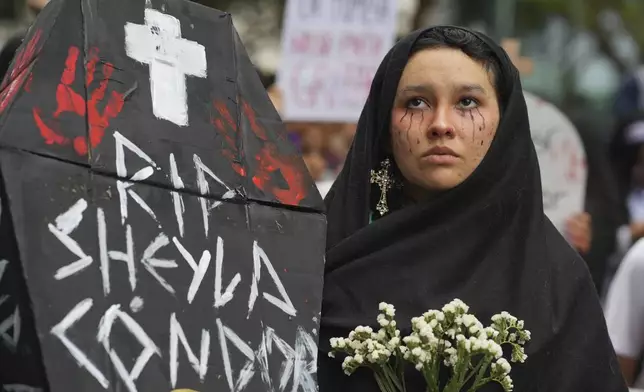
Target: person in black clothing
{"points": [[461, 217], [8, 52]]}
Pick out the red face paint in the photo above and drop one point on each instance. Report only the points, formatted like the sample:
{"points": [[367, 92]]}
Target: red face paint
{"points": [[69, 101], [270, 163], [19, 72]]}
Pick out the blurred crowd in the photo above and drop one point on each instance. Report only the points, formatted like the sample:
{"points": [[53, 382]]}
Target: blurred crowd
{"points": [[323, 146]]}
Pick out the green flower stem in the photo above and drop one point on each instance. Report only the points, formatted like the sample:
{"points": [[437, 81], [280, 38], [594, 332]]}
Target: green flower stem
{"points": [[431, 378], [479, 381], [381, 383], [400, 366], [385, 380], [474, 371], [460, 371], [393, 377]]}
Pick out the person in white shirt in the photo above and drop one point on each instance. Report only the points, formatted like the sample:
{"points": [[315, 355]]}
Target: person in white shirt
{"points": [[624, 311]]}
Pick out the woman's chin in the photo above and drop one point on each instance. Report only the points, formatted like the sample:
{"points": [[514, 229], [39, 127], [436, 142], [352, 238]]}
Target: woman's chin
{"points": [[442, 180]]}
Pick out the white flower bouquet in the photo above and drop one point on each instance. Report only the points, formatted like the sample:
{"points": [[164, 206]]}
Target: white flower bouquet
{"points": [[451, 337]]}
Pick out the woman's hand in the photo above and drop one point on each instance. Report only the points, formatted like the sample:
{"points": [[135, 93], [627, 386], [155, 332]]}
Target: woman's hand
{"points": [[579, 232]]}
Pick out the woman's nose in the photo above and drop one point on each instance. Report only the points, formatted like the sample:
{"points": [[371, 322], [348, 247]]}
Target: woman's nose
{"points": [[440, 126]]}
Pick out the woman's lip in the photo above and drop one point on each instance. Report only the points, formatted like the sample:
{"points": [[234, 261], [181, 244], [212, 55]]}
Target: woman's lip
{"points": [[440, 159]]}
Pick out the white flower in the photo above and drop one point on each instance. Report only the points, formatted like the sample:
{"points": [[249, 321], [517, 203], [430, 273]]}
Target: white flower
{"points": [[504, 365], [449, 308], [507, 384], [412, 340], [495, 349], [387, 309], [393, 343], [469, 320], [361, 329]]}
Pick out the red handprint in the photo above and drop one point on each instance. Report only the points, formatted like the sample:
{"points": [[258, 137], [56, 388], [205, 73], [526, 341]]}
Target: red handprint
{"points": [[20, 71], [269, 160], [69, 100]]}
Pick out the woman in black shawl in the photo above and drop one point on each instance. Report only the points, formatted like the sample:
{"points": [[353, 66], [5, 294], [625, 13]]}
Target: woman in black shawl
{"points": [[464, 218]]}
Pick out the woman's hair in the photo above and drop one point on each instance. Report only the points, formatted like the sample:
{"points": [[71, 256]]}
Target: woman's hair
{"points": [[468, 43]]}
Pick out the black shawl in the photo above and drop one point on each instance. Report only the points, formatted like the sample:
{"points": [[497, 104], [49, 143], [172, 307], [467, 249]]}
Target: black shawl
{"points": [[486, 242]]}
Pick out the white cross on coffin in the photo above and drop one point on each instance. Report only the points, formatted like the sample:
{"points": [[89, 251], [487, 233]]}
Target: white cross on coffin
{"points": [[171, 58]]}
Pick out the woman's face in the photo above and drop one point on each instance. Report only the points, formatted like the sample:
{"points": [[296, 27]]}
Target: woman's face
{"points": [[444, 118]]}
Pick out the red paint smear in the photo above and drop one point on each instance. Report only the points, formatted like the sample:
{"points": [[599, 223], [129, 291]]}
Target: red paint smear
{"points": [[250, 114], [269, 161], [69, 101], [228, 136], [572, 167], [19, 73], [46, 132], [229, 132], [28, 83]]}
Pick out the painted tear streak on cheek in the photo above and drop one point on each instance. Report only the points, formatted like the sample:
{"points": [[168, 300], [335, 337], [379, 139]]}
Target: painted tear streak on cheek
{"points": [[408, 132], [474, 123], [478, 110]]}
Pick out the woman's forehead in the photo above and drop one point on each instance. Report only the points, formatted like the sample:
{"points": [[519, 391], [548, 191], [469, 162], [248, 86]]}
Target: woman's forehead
{"points": [[431, 68]]}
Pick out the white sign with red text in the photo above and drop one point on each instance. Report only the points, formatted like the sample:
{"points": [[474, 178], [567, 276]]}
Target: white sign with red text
{"points": [[562, 160], [331, 50]]}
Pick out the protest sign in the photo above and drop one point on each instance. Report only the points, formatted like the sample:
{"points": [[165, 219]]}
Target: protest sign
{"points": [[330, 53], [158, 230], [562, 160]]}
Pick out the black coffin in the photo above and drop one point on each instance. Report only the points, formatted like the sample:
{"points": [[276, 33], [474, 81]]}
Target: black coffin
{"points": [[157, 231]]}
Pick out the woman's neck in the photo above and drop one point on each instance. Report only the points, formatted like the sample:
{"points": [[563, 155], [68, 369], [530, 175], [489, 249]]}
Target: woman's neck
{"points": [[415, 194]]}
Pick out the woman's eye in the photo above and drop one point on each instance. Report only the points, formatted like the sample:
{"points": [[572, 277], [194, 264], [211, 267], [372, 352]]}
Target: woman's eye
{"points": [[416, 103], [467, 103]]}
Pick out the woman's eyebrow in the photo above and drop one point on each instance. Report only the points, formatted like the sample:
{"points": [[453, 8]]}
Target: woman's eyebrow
{"points": [[417, 88], [470, 88], [429, 90]]}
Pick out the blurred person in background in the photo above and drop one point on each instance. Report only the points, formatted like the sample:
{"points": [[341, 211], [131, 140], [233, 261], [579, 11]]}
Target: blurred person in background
{"points": [[317, 167], [629, 98], [11, 46], [627, 156], [339, 144], [624, 307], [624, 310], [592, 232], [323, 146]]}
